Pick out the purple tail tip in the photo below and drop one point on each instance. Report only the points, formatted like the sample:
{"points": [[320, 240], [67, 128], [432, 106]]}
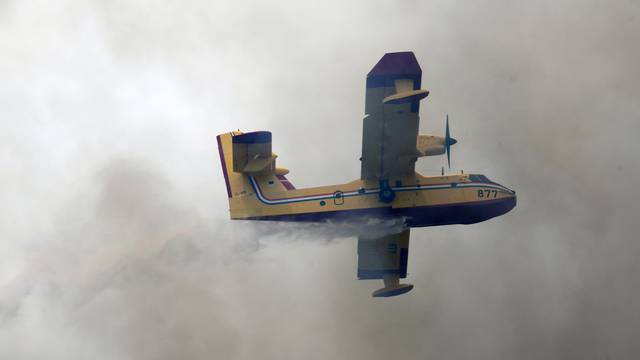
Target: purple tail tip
{"points": [[399, 63]]}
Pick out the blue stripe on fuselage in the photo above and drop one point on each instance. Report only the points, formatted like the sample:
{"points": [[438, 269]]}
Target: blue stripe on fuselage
{"points": [[432, 215], [288, 200]]}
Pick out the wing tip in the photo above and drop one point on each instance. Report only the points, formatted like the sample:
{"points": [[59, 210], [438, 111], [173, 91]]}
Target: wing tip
{"points": [[397, 63]]}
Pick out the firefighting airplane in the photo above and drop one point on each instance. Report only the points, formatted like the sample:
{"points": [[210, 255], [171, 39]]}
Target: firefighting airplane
{"points": [[388, 188]]}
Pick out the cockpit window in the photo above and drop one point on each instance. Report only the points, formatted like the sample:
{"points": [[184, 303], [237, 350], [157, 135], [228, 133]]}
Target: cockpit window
{"points": [[479, 178]]}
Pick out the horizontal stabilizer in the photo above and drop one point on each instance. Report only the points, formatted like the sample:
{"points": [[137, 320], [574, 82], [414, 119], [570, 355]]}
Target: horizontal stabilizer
{"points": [[258, 164], [281, 171]]}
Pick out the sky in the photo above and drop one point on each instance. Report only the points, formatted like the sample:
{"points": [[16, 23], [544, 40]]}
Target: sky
{"points": [[115, 241]]}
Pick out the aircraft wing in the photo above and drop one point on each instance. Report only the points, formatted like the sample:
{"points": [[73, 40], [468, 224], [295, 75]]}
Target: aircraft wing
{"points": [[385, 257], [390, 126]]}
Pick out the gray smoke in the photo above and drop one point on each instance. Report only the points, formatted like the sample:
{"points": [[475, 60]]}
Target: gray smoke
{"points": [[115, 238]]}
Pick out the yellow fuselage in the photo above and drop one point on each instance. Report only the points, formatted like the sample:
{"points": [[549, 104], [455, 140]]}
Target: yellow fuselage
{"points": [[424, 201], [421, 200]]}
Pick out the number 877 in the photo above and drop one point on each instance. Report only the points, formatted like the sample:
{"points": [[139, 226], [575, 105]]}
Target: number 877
{"points": [[486, 193]]}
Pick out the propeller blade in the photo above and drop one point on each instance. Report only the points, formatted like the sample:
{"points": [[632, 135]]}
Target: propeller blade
{"points": [[447, 143], [447, 134]]}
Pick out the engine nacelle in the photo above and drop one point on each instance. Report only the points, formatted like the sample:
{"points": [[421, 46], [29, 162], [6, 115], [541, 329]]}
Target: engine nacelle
{"points": [[430, 145]]}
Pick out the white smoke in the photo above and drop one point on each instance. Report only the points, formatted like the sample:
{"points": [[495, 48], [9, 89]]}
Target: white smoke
{"points": [[115, 238]]}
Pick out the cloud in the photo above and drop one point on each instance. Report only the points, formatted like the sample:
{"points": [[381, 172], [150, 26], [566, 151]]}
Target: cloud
{"points": [[116, 237]]}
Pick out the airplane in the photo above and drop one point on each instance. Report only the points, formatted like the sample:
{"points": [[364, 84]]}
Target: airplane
{"points": [[388, 188]]}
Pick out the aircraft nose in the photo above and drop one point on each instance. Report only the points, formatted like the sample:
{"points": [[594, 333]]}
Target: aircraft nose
{"points": [[513, 200]]}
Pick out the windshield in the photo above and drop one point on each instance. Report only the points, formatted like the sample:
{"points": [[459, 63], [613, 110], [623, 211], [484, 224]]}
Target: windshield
{"points": [[480, 179]]}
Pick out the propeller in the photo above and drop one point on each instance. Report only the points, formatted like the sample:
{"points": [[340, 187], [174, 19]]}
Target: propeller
{"points": [[448, 141]]}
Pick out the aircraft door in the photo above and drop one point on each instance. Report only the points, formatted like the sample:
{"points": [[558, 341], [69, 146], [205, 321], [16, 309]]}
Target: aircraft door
{"points": [[338, 198]]}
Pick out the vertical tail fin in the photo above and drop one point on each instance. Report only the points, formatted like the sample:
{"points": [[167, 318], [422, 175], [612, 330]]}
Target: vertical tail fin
{"points": [[245, 155], [223, 161], [238, 185]]}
